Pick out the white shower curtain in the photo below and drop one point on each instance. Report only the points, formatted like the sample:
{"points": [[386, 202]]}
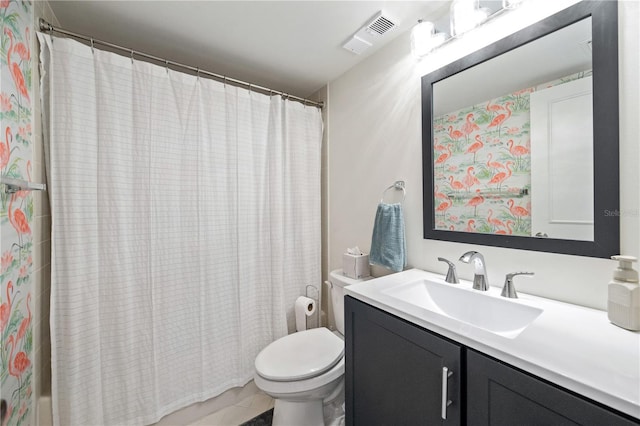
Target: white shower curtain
{"points": [[186, 221]]}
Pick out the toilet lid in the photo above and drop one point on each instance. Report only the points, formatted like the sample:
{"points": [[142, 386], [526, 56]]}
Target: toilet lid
{"points": [[300, 355]]}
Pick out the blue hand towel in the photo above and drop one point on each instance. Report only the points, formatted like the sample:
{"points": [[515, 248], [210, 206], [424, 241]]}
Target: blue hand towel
{"points": [[388, 246]]}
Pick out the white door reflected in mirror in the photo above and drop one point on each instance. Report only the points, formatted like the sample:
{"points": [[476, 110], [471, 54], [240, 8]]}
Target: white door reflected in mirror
{"points": [[562, 161]]}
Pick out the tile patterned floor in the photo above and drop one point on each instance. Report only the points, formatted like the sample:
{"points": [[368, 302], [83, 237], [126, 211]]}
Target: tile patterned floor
{"points": [[237, 414]]}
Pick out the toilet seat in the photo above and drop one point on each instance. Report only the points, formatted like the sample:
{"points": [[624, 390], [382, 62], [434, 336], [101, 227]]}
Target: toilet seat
{"points": [[300, 356], [299, 388]]}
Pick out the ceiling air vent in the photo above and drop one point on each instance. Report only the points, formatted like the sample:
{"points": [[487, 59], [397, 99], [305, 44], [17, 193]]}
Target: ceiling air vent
{"points": [[380, 25], [366, 36]]}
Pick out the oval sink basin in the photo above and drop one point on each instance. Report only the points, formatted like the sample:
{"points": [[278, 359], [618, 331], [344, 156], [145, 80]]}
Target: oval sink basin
{"points": [[495, 314]]}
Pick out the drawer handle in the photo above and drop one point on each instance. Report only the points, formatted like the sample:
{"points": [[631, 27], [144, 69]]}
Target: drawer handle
{"points": [[445, 391]]}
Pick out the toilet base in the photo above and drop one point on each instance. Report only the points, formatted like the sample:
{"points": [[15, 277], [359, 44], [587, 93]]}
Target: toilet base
{"points": [[298, 413]]}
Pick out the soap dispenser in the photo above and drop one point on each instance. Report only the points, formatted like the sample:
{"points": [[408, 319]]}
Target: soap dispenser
{"points": [[624, 295]]}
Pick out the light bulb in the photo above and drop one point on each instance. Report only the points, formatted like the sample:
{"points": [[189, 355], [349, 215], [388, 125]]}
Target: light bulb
{"points": [[464, 16], [421, 38]]}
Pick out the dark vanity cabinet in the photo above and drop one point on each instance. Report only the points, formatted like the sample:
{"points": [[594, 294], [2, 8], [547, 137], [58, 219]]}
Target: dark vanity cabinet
{"points": [[397, 374], [499, 395]]}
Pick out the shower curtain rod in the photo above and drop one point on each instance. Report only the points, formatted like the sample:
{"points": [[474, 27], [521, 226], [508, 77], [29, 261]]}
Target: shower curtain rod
{"points": [[47, 27]]}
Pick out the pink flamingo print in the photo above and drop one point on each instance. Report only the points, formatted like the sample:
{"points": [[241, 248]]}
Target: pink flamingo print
{"points": [[493, 165], [24, 51], [455, 134], [496, 223], [438, 194], [16, 72], [494, 108], [444, 206], [471, 226], [444, 156], [499, 178], [18, 220], [22, 330], [518, 150], [475, 147], [5, 149], [456, 185], [509, 230], [437, 146], [517, 211], [19, 364], [469, 126], [475, 202], [501, 118], [5, 308], [470, 179]]}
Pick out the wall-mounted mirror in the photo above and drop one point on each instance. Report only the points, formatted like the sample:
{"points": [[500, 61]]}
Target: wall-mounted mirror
{"points": [[520, 139]]}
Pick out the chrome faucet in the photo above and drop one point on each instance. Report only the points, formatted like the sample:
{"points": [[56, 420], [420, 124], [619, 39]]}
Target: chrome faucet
{"points": [[480, 280]]}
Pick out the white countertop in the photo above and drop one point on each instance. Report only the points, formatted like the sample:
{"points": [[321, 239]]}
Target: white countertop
{"points": [[572, 346]]}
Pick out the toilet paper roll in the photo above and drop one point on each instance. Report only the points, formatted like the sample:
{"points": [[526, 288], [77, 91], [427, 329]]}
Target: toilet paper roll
{"points": [[305, 307]]}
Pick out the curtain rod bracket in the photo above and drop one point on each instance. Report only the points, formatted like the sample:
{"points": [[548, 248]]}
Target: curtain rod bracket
{"points": [[16, 185], [45, 26]]}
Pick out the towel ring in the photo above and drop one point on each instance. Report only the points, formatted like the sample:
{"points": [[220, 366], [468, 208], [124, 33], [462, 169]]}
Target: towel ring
{"points": [[399, 185]]}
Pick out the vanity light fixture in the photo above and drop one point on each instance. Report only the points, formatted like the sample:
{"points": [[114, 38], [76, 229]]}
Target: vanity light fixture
{"points": [[424, 38], [464, 15]]}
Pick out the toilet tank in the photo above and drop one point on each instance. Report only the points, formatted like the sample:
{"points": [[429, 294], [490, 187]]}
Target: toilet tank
{"points": [[338, 282]]}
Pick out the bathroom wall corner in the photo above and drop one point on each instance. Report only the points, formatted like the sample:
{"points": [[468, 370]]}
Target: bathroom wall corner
{"points": [[322, 95], [42, 242]]}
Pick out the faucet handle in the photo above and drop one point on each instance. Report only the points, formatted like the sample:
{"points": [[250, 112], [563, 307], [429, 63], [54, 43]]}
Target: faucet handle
{"points": [[452, 276], [509, 290]]}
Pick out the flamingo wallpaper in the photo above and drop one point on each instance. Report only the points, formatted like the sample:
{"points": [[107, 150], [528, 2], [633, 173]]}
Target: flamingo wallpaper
{"points": [[16, 213], [482, 165]]}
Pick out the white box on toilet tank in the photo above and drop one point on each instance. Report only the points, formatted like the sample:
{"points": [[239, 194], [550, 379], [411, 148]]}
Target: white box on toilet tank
{"points": [[355, 266]]}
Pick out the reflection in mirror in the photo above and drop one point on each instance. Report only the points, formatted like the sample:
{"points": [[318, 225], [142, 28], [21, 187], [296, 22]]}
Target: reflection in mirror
{"points": [[492, 126], [512, 155]]}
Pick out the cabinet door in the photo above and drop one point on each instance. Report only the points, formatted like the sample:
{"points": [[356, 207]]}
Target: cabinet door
{"points": [[501, 395], [394, 371]]}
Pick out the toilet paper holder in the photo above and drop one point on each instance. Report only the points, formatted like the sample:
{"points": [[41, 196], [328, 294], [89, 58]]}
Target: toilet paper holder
{"points": [[312, 292]]}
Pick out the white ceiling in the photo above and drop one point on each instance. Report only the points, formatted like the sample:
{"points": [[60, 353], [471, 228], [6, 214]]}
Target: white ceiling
{"points": [[291, 46]]}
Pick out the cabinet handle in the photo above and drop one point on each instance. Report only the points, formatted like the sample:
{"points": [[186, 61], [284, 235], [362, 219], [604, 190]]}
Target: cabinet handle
{"points": [[445, 391]]}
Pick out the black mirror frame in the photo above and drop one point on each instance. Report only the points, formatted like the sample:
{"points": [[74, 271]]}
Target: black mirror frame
{"points": [[605, 133]]}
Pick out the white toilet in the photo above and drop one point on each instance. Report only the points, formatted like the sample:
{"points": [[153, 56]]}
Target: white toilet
{"points": [[303, 369]]}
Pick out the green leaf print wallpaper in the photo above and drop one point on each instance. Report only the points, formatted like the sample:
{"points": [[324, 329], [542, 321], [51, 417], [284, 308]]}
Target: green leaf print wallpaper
{"points": [[16, 214], [482, 165]]}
